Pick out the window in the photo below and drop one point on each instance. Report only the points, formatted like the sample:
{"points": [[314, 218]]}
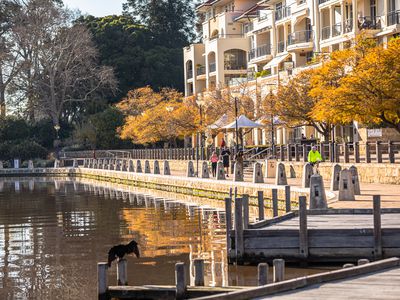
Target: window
{"points": [[235, 59]]}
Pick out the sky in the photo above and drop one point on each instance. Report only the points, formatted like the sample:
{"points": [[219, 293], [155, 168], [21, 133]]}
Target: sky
{"points": [[97, 8]]}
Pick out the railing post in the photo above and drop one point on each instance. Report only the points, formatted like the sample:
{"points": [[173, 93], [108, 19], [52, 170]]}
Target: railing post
{"points": [[245, 198], [180, 281], [296, 152], [289, 152], [357, 152], [122, 272], [391, 152], [281, 154], [260, 197], [367, 152], [337, 153], [346, 152], [331, 152], [275, 202], [378, 152], [239, 246], [199, 272], [377, 227], [228, 219], [287, 199], [305, 154], [303, 238]]}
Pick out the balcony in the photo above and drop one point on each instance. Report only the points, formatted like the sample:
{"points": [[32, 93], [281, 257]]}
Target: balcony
{"points": [[369, 23], [200, 70], [348, 26], [282, 13], [260, 51], [212, 67], [234, 67], [300, 40], [393, 18], [337, 29], [248, 27], [326, 33], [281, 46], [226, 36]]}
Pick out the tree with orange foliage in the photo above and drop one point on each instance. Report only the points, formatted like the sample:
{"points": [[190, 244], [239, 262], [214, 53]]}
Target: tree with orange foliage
{"points": [[152, 117], [369, 92]]}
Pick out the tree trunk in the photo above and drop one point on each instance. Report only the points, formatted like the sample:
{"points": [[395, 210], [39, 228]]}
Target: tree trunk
{"points": [[2, 103]]}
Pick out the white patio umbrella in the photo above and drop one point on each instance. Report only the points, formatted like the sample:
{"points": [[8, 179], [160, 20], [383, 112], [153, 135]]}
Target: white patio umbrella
{"points": [[220, 123], [242, 122]]}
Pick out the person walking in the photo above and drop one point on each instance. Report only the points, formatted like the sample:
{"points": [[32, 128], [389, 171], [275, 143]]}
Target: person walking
{"points": [[226, 154], [214, 161], [314, 158]]}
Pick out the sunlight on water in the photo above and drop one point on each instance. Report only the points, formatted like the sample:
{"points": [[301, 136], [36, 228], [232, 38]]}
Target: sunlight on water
{"points": [[54, 232]]}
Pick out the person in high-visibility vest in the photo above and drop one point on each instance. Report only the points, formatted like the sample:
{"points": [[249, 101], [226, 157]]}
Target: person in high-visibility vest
{"points": [[314, 157]]}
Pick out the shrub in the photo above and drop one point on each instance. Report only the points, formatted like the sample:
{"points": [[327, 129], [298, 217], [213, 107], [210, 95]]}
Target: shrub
{"points": [[23, 150]]}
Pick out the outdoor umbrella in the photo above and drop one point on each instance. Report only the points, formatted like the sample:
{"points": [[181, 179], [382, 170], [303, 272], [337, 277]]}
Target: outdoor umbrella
{"points": [[242, 122]]}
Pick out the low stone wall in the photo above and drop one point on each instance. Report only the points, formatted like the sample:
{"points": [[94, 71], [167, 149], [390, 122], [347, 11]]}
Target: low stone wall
{"points": [[368, 173]]}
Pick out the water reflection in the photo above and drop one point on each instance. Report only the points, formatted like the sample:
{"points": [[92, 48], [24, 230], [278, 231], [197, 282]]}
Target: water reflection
{"points": [[53, 233]]}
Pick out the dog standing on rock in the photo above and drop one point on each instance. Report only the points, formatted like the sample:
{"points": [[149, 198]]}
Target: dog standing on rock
{"points": [[120, 251]]}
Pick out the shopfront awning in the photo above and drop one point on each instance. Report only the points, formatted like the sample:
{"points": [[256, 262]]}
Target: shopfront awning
{"points": [[276, 61]]}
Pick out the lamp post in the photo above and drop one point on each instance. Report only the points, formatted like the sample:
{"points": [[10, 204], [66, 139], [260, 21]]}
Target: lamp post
{"points": [[236, 96], [199, 142]]}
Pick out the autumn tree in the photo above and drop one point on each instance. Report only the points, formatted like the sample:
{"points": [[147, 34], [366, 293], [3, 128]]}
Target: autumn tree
{"points": [[370, 92], [294, 103], [152, 117]]}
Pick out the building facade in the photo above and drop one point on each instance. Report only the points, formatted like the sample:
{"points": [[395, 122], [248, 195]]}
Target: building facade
{"points": [[264, 43]]}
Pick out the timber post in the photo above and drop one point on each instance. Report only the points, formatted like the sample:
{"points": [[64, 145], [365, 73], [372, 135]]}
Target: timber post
{"points": [[199, 272], [228, 218], [303, 232], [180, 281], [260, 198], [377, 227], [262, 269], [122, 272], [279, 270], [239, 246], [287, 199], [245, 198], [102, 280], [275, 202]]}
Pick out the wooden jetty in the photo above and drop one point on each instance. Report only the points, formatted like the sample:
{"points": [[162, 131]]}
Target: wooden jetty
{"points": [[376, 280], [330, 235]]}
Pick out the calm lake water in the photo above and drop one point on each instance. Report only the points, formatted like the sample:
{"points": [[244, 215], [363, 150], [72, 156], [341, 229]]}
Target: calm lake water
{"points": [[54, 232]]}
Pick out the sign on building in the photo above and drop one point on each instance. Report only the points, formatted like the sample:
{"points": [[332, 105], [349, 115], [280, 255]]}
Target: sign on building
{"points": [[374, 132]]}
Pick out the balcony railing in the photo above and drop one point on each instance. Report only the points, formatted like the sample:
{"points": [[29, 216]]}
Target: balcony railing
{"points": [[260, 51], [226, 36], [393, 17], [298, 37], [323, 1], [336, 29], [234, 66], [282, 13], [348, 25], [248, 27], [200, 70], [325, 33], [212, 67], [367, 22], [189, 74], [281, 46]]}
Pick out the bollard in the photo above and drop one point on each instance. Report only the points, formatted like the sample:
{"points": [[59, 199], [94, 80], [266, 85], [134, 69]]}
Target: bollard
{"points": [[180, 281], [228, 217], [199, 272], [139, 166], [354, 180], [260, 198], [288, 204], [275, 202], [204, 170], [362, 261], [30, 164], [335, 177], [307, 172], [166, 169], [257, 173], [346, 266], [279, 270], [122, 272], [346, 188], [270, 168], [280, 178], [262, 274], [147, 167], [131, 167], [238, 172], [156, 168], [190, 169], [102, 280], [220, 171], [317, 193]]}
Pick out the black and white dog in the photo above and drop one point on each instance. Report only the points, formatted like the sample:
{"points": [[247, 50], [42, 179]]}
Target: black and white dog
{"points": [[120, 251]]}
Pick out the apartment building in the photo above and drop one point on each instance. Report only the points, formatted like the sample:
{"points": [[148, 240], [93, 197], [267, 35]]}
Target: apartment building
{"points": [[276, 39]]}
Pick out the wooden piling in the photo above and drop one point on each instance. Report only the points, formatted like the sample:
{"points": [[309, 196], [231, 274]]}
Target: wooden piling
{"points": [[357, 152], [279, 270], [199, 272], [367, 153], [345, 266], [228, 218], [377, 227], [303, 232], [180, 281], [245, 198], [287, 198], [260, 197], [378, 152], [102, 280], [275, 202], [362, 261], [262, 274], [239, 246], [122, 272]]}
